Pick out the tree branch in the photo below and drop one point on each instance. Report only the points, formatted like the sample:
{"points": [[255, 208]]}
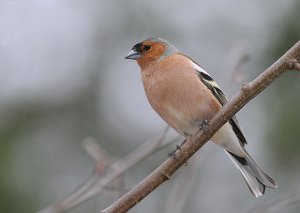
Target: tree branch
{"points": [[181, 191], [98, 180], [289, 61]]}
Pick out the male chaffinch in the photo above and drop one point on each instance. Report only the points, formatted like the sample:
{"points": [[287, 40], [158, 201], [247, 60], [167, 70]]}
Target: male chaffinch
{"points": [[185, 95]]}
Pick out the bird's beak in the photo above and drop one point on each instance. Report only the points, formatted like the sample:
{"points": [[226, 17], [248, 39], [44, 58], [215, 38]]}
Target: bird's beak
{"points": [[133, 55]]}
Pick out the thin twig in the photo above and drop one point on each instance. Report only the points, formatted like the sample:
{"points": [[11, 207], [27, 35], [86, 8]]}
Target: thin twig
{"points": [[97, 182], [289, 61], [102, 159], [238, 57]]}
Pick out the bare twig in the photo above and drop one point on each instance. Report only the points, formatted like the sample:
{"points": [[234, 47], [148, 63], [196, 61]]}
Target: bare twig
{"points": [[101, 158], [238, 57], [97, 181], [289, 61]]}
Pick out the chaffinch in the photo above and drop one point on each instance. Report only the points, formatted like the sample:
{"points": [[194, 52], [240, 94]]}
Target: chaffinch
{"points": [[185, 95]]}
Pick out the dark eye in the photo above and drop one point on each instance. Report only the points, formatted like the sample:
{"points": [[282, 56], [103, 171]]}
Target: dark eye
{"points": [[147, 47]]}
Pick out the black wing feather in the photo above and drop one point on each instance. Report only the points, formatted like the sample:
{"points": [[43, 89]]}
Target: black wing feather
{"points": [[217, 92]]}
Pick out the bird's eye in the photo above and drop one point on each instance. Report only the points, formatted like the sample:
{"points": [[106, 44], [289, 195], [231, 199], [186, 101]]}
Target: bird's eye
{"points": [[147, 47]]}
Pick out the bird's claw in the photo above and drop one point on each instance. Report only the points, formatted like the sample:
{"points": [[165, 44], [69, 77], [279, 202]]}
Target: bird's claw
{"points": [[173, 155], [204, 126]]}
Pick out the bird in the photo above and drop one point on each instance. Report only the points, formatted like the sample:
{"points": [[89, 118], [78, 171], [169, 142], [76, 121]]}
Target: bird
{"points": [[185, 96]]}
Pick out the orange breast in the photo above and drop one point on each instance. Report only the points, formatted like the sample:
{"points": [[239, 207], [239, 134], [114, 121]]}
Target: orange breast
{"points": [[177, 94]]}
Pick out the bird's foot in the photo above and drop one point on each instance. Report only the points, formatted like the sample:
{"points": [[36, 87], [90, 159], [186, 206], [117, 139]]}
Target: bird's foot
{"points": [[178, 147], [173, 153], [204, 126]]}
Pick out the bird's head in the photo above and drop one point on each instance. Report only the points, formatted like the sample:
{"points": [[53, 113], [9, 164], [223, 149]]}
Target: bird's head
{"points": [[151, 50]]}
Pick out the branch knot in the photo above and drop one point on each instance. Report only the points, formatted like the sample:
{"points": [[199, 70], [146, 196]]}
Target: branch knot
{"points": [[246, 87], [294, 64]]}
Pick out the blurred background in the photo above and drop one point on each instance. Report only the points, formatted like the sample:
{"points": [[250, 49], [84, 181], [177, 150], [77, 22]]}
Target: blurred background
{"points": [[63, 78]]}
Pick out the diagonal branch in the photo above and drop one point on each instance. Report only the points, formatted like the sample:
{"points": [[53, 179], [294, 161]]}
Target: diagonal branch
{"points": [[289, 61]]}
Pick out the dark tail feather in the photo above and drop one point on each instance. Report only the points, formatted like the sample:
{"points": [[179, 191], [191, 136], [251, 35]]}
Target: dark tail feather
{"points": [[257, 180]]}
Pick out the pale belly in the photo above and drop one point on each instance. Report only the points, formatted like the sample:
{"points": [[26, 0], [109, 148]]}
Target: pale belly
{"points": [[186, 120]]}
